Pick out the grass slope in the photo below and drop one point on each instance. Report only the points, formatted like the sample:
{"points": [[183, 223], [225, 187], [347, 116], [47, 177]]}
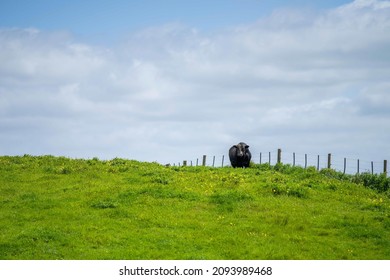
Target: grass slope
{"points": [[60, 208]]}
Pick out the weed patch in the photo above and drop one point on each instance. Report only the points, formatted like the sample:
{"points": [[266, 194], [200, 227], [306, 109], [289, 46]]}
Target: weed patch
{"points": [[229, 199], [105, 204], [295, 191]]}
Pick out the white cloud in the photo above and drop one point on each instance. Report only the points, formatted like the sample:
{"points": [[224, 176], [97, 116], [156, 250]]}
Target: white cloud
{"points": [[308, 81]]}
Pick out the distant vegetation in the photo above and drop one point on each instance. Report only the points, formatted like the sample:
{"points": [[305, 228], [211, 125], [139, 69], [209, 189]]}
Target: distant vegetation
{"points": [[61, 208]]}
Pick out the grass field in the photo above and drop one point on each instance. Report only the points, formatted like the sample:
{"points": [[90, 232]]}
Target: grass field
{"points": [[60, 208]]}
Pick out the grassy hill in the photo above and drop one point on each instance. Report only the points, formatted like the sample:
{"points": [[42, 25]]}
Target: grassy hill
{"points": [[60, 208]]}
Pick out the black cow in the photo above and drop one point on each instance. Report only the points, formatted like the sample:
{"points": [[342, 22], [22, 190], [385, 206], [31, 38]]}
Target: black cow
{"points": [[239, 155]]}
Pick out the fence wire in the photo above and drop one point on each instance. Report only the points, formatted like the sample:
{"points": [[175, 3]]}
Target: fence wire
{"points": [[341, 164]]}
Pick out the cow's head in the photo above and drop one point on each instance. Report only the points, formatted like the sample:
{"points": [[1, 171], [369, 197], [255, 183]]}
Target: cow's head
{"points": [[241, 149]]}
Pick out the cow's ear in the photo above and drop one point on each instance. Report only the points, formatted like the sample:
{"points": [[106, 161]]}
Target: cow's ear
{"points": [[246, 147], [235, 146]]}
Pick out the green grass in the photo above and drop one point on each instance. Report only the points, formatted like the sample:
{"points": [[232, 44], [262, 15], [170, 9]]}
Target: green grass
{"points": [[60, 208]]}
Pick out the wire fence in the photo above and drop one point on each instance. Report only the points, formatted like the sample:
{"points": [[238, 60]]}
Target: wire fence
{"points": [[342, 164]]}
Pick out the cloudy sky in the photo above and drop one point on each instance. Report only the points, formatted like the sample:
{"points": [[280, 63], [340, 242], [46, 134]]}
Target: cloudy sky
{"points": [[172, 80]]}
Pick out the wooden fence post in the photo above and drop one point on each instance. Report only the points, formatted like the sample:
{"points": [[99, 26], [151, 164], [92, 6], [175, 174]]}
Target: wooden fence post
{"points": [[184, 163], [329, 161], [293, 159], [385, 166], [269, 158], [213, 160], [260, 158], [345, 165], [372, 167], [279, 159], [223, 157], [318, 162], [204, 160], [305, 161], [358, 166]]}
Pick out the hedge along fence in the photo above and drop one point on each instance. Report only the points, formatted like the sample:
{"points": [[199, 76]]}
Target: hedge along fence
{"points": [[345, 165]]}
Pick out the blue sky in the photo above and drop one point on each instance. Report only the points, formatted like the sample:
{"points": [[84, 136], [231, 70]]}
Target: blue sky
{"points": [[172, 80], [115, 18]]}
